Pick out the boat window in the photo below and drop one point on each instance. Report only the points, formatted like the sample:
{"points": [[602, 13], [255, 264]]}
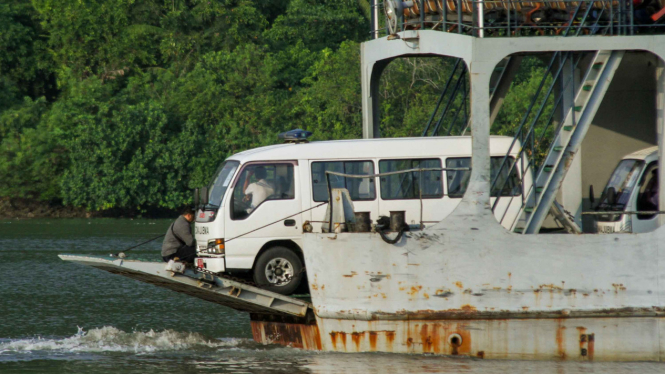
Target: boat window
{"points": [[259, 183], [221, 182], [647, 200], [359, 189], [407, 185], [458, 180]]}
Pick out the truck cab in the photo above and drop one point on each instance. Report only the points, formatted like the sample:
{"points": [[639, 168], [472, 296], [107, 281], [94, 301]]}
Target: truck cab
{"points": [[632, 187]]}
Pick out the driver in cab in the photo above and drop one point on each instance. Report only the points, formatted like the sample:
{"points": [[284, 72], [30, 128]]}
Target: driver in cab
{"points": [[258, 191]]}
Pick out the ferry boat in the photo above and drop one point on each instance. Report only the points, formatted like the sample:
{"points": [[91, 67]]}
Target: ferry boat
{"points": [[469, 285]]}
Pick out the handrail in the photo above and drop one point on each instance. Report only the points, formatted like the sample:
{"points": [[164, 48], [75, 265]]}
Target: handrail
{"points": [[506, 18]]}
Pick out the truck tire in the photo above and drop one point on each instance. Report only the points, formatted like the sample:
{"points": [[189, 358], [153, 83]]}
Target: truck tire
{"points": [[279, 270]]}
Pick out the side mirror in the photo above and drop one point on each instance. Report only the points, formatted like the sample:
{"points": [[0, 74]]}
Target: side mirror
{"points": [[204, 195], [197, 196], [611, 196], [592, 197]]}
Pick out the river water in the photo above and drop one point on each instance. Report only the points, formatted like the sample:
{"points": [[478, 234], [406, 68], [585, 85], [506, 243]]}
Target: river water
{"points": [[59, 317]]}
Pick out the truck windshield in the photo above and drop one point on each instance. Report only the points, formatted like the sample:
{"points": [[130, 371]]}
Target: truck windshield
{"points": [[221, 182], [623, 179]]}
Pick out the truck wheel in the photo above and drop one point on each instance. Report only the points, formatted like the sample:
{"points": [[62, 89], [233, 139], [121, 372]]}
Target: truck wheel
{"points": [[279, 270]]}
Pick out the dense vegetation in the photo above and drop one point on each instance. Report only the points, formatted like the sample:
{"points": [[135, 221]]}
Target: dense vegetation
{"points": [[130, 104]]}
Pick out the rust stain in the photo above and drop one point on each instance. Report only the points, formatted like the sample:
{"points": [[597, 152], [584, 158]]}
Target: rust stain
{"points": [[468, 308], [561, 351], [591, 346], [459, 285], [390, 339], [618, 287], [551, 287], [333, 338], [436, 338], [425, 339], [289, 334], [426, 295], [323, 287], [355, 338], [384, 295], [372, 340], [353, 274], [314, 286], [481, 354], [415, 290], [525, 308], [343, 336], [402, 288]]}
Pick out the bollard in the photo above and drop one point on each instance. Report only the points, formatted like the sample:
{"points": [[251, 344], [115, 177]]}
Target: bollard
{"points": [[397, 220], [363, 222]]}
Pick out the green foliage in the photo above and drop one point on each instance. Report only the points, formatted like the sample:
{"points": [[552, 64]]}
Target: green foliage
{"points": [[330, 106], [130, 104]]}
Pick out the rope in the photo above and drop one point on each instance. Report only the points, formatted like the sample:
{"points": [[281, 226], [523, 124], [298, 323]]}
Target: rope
{"points": [[644, 212], [138, 245], [362, 176]]}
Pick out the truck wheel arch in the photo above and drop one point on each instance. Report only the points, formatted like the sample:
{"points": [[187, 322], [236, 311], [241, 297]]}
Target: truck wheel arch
{"points": [[290, 244]]}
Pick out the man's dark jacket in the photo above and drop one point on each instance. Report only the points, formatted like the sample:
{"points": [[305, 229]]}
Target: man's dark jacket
{"points": [[183, 230]]}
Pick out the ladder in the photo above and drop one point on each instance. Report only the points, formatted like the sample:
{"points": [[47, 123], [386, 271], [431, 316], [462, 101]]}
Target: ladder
{"points": [[541, 196]]}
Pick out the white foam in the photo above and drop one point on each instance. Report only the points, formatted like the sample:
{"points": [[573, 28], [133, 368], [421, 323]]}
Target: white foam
{"points": [[111, 339]]}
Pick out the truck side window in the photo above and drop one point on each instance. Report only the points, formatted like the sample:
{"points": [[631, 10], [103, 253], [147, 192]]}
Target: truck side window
{"points": [[359, 189], [407, 185], [647, 199], [458, 180], [259, 183]]}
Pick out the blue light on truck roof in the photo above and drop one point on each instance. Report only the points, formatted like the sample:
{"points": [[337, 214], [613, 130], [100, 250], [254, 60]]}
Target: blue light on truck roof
{"points": [[295, 136]]}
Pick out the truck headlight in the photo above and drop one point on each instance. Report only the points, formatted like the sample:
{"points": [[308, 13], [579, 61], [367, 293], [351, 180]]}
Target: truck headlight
{"points": [[216, 246]]}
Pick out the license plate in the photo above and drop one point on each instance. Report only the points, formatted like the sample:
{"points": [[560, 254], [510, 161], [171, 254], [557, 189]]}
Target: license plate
{"points": [[607, 229]]}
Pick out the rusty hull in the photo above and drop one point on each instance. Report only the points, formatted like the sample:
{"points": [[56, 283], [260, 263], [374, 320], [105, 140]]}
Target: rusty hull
{"points": [[575, 339]]}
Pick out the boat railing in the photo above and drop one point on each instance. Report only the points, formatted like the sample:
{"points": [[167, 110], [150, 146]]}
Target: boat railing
{"points": [[510, 18]]}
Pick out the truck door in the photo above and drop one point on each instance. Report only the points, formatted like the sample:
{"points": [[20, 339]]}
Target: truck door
{"points": [[265, 196], [647, 200]]}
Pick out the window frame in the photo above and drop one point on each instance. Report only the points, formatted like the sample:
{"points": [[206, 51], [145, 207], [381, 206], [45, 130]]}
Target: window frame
{"points": [[443, 187], [242, 169], [311, 176]]}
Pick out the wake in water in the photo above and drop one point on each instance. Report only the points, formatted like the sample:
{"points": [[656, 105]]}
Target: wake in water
{"points": [[111, 339]]}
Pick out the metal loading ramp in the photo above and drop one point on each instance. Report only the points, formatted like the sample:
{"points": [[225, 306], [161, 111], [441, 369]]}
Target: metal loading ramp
{"points": [[222, 291]]}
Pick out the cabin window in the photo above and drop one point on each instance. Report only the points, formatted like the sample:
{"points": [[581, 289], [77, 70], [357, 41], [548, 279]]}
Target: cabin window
{"points": [[259, 183], [459, 180], [359, 189], [408, 185]]}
